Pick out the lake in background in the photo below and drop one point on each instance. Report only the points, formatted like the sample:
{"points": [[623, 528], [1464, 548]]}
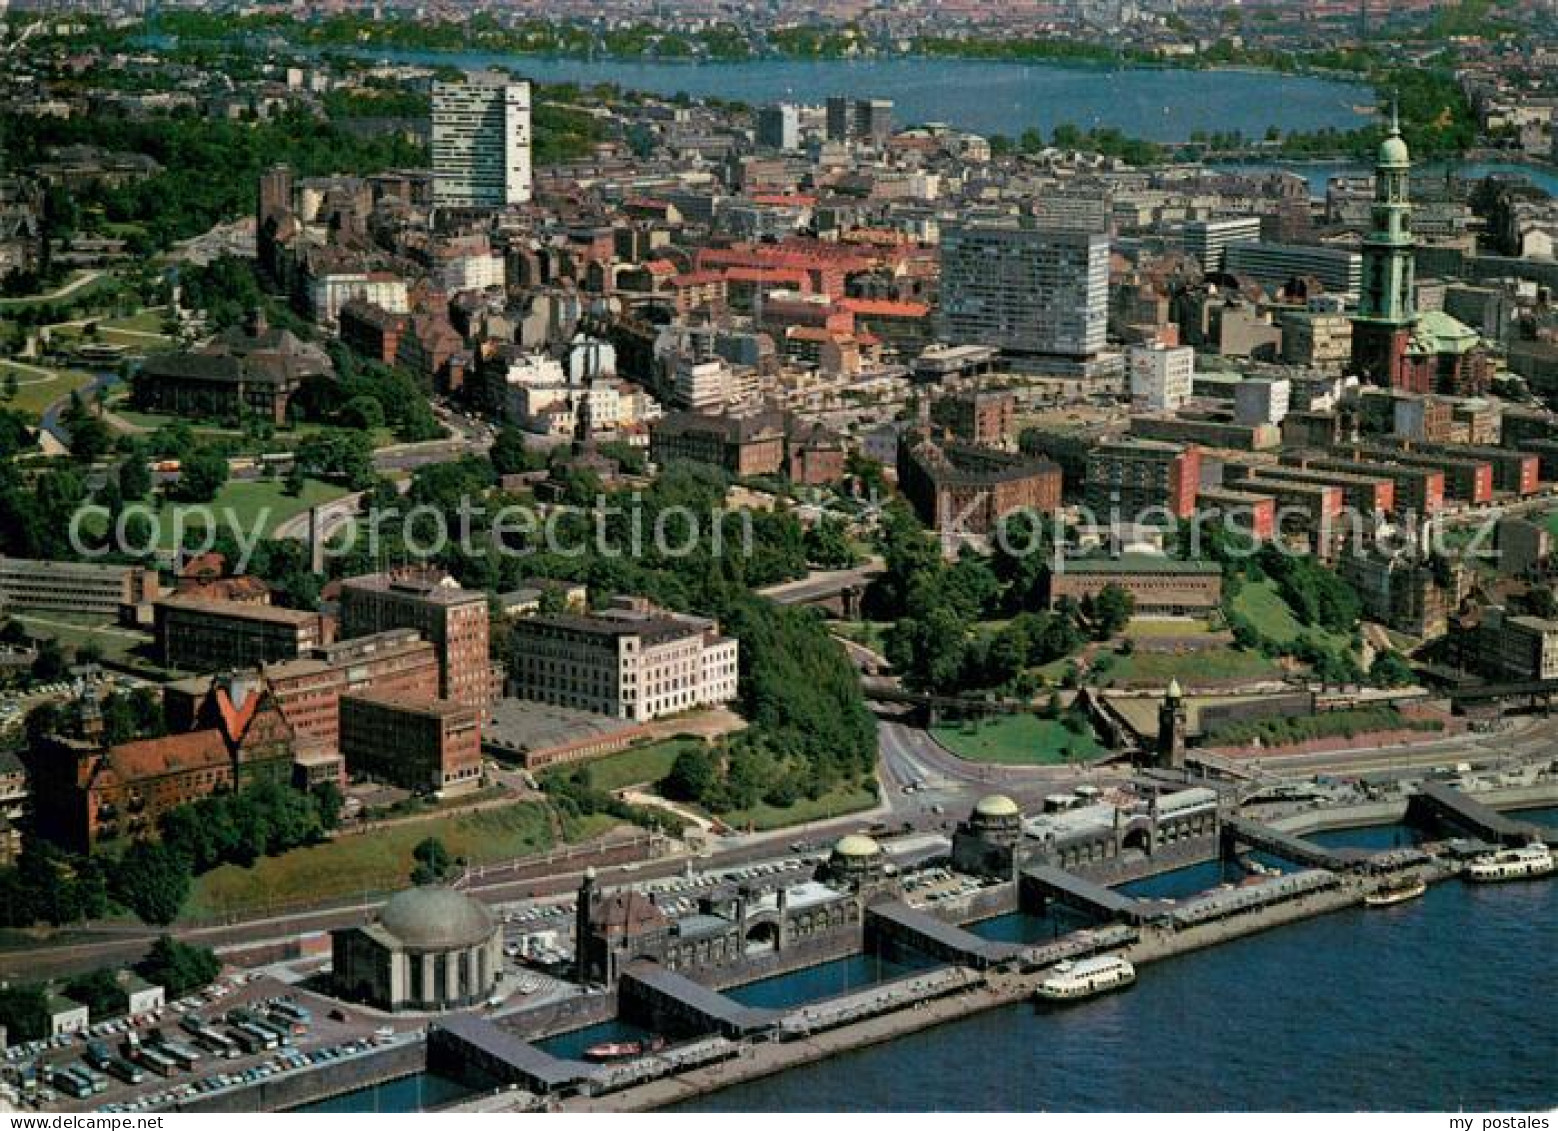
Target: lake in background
{"points": [[1166, 104]]}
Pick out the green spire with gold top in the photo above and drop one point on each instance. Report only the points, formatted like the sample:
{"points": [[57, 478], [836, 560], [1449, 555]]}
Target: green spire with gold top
{"points": [[1387, 250]]}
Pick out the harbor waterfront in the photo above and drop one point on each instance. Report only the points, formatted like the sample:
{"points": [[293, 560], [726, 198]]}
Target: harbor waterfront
{"points": [[1294, 1019], [1236, 1007]]}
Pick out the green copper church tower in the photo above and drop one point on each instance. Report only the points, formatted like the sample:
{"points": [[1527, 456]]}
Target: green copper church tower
{"points": [[1386, 315]]}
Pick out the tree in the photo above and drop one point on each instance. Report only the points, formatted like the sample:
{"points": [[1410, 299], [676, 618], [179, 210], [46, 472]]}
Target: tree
{"points": [[295, 481], [432, 861], [24, 1012], [99, 991], [134, 477], [327, 797], [201, 476], [1390, 669], [49, 664], [509, 454], [152, 880], [693, 775], [363, 412], [828, 546], [1112, 610], [90, 440], [178, 968]]}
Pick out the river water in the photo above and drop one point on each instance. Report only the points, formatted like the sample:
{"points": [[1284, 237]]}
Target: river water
{"points": [[1439, 1004]]}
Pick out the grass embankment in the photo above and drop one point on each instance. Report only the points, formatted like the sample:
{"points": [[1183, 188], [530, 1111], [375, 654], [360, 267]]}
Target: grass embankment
{"points": [[1018, 740], [1261, 604], [835, 803], [241, 507], [379, 860], [1288, 731], [641, 766]]}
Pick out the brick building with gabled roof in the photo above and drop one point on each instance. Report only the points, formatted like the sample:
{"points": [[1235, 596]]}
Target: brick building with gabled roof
{"points": [[87, 793]]}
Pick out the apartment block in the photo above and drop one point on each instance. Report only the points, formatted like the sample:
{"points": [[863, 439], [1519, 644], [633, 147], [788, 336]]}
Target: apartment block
{"points": [[481, 142], [1026, 291], [1129, 477]]}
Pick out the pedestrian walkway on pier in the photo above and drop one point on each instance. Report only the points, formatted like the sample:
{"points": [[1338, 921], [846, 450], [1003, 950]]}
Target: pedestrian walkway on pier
{"points": [[900, 923], [465, 1047], [663, 1000], [1042, 884], [1436, 803], [1295, 849]]}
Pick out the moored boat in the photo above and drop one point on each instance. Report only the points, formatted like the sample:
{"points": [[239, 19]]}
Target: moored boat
{"points": [[623, 1050], [1525, 863], [1085, 978], [1387, 895]]}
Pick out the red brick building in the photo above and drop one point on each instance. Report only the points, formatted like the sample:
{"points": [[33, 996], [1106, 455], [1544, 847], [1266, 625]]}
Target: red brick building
{"points": [[308, 690], [966, 489], [428, 747], [87, 793], [759, 443], [373, 331], [454, 619]]}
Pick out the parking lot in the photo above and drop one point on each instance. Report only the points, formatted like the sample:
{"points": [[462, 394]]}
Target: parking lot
{"points": [[220, 1035]]}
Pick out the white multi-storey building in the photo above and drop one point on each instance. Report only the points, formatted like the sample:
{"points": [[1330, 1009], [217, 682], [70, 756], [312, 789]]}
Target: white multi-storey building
{"points": [[328, 293], [1161, 376], [481, 142], [458, 273], [632, 661], [1025, 290]]}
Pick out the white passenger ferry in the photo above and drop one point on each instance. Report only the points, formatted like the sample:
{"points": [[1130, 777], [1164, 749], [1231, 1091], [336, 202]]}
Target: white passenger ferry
{"points": [[1086, 978], [1511, 864]]}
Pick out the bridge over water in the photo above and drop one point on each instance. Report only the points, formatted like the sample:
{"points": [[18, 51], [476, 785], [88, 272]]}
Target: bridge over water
{"points": [[1287, 846], [899, 923], [1436, 804], [664, 1001]]}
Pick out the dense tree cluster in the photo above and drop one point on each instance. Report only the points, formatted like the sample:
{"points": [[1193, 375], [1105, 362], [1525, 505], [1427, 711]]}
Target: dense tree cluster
{"points": [[209, 165], [178, 967], [937, 641]]}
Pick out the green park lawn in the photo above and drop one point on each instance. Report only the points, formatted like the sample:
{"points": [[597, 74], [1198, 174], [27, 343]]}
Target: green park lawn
{"points": [[377, 861], [835, 803], [1017, 740], [1146, 628], [284, 439], [241, 504], [640, 766], [36, 391], [1208, 665], [1261, 604]]}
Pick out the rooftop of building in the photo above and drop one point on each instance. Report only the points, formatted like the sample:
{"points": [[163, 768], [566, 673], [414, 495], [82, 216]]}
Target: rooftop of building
{"points": [[1139, 563], [521, 726], [240, 610], [436, 918], [431, 585]]}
